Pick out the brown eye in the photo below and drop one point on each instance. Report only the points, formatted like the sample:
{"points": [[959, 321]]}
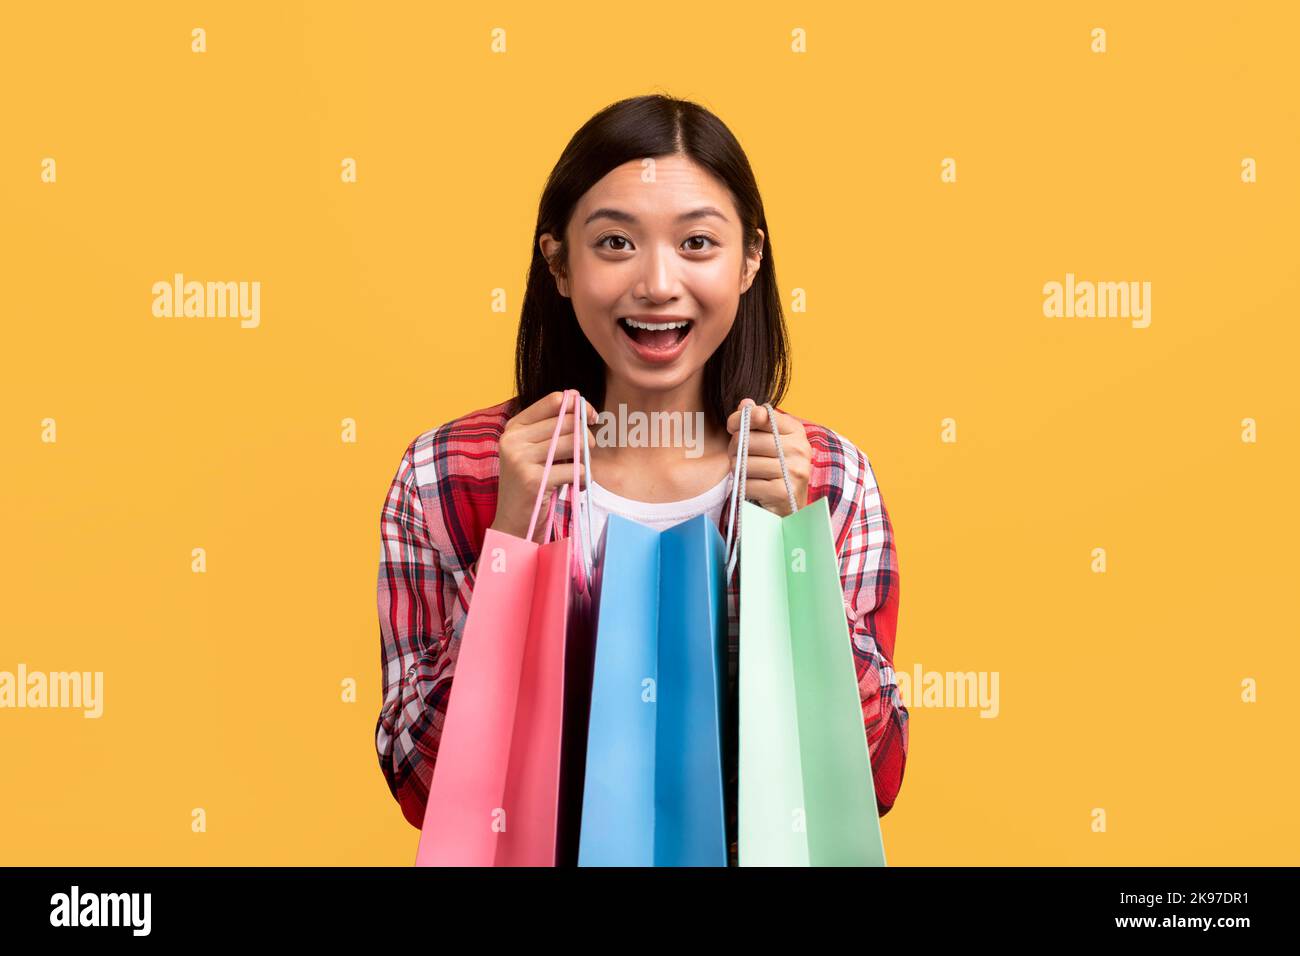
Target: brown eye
{"points": [[604, 239], [700, 248]]}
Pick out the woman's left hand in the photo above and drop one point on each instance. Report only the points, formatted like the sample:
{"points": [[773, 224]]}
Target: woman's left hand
{"points": [[763, 482]]}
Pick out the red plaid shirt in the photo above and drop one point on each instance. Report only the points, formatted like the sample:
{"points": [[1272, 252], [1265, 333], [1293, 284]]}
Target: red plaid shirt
{"points": [[439, 506]]}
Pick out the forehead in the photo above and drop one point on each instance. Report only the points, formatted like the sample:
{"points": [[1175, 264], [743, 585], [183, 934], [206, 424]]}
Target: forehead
{"points": [[679, 185]]}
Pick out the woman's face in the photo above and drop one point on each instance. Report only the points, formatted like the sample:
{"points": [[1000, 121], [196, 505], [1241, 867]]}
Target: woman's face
{"points": [[651, 243]]}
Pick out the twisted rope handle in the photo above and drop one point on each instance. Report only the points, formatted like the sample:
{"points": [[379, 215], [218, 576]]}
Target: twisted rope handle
{"points": [[588, 553], [738, 488], [577, 566], [780, 456], [580, 565], [740, 475], [546, 474]]}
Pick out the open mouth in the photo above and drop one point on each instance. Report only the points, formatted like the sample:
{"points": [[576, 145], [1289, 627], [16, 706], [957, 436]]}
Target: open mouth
{"points": [[656, 336]]}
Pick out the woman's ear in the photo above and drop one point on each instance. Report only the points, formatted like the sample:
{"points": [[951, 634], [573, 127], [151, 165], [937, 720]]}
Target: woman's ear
{"points": [[550, 247], [752, 263]]}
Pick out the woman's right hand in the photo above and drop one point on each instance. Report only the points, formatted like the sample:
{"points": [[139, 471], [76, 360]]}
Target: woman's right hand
{"points": [[522, 455]]}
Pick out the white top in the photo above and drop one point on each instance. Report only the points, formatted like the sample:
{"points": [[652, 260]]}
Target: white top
{"points": [[659, 515]]}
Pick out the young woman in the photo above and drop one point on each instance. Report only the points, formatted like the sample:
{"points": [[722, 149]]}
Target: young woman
{"points": [[652, 289]]}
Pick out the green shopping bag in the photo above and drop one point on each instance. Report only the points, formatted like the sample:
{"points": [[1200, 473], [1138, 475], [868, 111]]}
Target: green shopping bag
{"points": [[805, 796]]}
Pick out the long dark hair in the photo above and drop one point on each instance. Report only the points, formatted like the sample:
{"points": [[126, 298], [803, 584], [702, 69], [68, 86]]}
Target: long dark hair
{"points": [[552, 352]]}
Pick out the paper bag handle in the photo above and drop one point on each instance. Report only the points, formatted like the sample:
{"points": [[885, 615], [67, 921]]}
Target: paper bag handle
{"points": [[741, 473], [582, 566]]}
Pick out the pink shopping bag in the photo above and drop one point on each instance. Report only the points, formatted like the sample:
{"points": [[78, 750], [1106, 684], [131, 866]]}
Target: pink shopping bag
{"points": [[506, 789]]}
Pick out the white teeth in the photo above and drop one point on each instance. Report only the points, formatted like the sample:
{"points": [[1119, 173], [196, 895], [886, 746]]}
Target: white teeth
{"points": [[655, 326]]}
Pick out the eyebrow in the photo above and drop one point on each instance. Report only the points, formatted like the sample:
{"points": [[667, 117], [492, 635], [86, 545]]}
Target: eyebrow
{"points": [[619, 215]]}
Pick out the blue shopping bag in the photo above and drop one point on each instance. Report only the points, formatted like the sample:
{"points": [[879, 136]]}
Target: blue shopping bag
{"points": [[653, 791]]}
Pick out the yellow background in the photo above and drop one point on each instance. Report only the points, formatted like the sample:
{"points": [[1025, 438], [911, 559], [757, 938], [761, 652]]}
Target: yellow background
{"points": [[222, 690]]}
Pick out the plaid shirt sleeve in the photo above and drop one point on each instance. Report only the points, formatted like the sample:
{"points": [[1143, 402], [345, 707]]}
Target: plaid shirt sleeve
{"points": [[422, 606], [869, 568], [869, 573]]}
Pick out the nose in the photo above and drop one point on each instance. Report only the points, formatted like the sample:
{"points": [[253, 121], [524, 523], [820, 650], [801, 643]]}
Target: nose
{"points": [[658, 279]]}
